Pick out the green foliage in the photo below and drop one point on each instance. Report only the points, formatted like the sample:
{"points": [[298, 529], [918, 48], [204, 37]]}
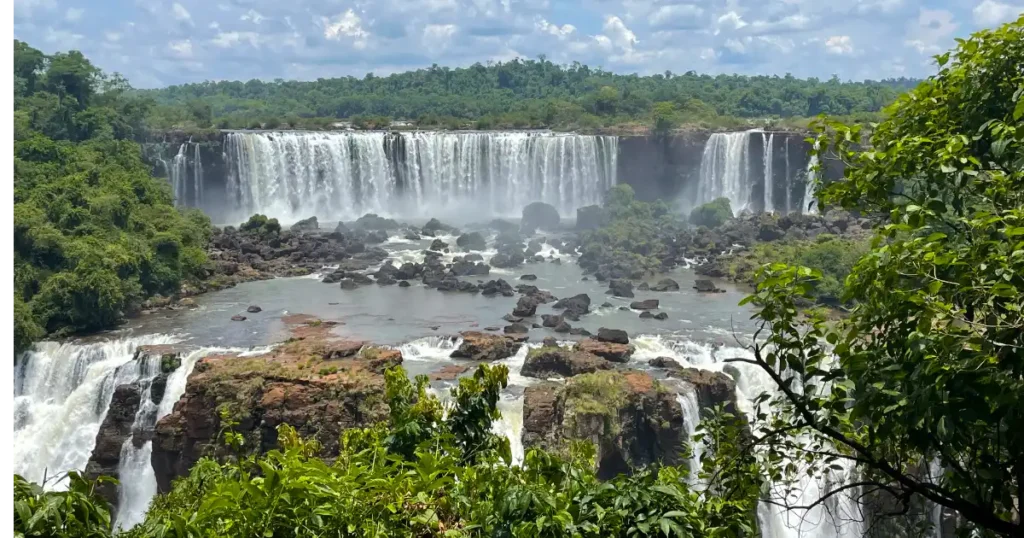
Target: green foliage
{"points": [[75, 513], [927, 368], [436, 472], [633, 242], [712, 214], [261, 225], [94, 233]]}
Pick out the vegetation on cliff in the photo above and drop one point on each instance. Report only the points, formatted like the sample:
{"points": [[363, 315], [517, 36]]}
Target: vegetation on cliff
{"points": [[425, 472], [94, 233], [926, 376]]}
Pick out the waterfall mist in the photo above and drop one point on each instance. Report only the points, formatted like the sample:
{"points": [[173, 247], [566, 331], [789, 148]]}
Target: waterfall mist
{"points": [[342, 175]]}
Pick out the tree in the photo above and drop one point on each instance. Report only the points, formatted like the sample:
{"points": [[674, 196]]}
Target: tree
{"points": [[921, 388]]}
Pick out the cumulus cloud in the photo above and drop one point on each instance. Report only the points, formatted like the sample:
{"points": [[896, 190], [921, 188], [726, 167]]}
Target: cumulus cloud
{"points": [[619, 35], [561, 32], [437, 37], [180, 13], [181, 49], [227, 40], [991, 13], [676, 16], [252, 16], [930, 33], [346, 25], [839, 45]]}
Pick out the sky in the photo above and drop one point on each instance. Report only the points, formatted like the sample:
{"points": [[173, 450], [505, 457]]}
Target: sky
{"points": [[157, 43]]}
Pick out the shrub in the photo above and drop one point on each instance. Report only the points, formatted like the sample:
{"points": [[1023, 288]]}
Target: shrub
{"points": [[712, 214]]}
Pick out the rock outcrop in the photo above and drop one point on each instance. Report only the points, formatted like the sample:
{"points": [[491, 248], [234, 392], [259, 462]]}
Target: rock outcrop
{"points": [[630, 418], [539, 215], [480, 346], [611, 351], [547, 362], [114, 431]]}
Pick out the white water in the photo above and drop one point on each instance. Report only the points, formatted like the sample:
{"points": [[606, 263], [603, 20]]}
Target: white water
{"points": [[691, 419], [345, 174], [789, 187], [768, 140], [197, 178], [725, 170], [810, 203], [178, 174]]}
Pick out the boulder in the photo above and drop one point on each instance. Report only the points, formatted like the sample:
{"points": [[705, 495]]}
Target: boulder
{"points": [[549, 341], [526, 306], [511, 319], [496, 287], [615, 336], [646, 314], [528, 277], [508, 258], [253, 309], [386, 280], [574, 306], [480, 346], [591, 217], [434, 226], [115, 429], [411, 235], [563, 327], [643, 287], [579, 331], [550, 320], [666, 284], [661, 316], [606, 350], [305, 225], [713, 388], [664, 362], [620, 288], [471, 241], [706, 286], [516, 328], [404, 284], [473, 257], [438, 245], [539, 215], [465, 268], [238, 317], [646, 304], [375, 237], [542, 296], [547, 362], [631, 419]]}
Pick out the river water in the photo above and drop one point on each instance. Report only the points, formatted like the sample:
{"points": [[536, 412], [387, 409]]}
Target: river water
{"points": [[63, 389]]}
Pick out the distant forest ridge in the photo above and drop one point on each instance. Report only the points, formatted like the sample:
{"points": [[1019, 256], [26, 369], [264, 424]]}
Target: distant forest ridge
{"points": [[520, 93]]}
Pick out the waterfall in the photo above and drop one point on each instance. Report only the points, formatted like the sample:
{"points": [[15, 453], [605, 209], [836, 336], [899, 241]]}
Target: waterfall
{"points": [[293, 175], [725, 170], [197, 178], [61, 395], [789, 187], [767, 140], [691, 419], [810, 204], [178, 174]]}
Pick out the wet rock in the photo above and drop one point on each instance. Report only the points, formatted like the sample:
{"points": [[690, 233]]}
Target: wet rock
{"points": [[542, 296], [547, 362], [631, 419], [238, 317], [114, 431], [412, 236], [606, 350], [661, 316], [438, 245], [497, 287], [666, 284], [713, 388], [646, 315], [449, 372], [408, 271], [574, 306], [434, 226], [371, 221], [549, 341], [563, 327], [526, 306], [508, 257], [473, 257], [511, 319], [591, 217], [624, 308], [386, 280], [579, 331], [606, 304], [471, 241], [646, 304], [305, 225], [534, 247], [556, 261], [664, 362], [480, 346], [620, 288], [550, 320], [528, 277], [465, 268], [404, 284], [615, 336], [540, 215], [516, 328], [348, 284], [492, 328], [707, 286], [376, 237], [535, 325], [253, 309]]}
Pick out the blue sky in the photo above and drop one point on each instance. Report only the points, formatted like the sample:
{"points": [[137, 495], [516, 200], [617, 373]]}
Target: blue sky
{"points": [[160, 42]]}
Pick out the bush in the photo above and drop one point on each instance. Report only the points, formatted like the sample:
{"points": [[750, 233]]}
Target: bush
{"points": [[712, 214]]}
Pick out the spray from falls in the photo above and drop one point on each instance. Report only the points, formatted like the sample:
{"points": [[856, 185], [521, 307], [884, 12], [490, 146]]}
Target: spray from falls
{"points": [[725, 170], [293, 175]]}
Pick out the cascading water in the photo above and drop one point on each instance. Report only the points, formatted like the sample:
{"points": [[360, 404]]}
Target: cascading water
{"points": [[61, 395], [725, 170], [691, 418], [293, 175], [178, 174], [789, 188], [197, 178], [768, 140], [810, 205]]}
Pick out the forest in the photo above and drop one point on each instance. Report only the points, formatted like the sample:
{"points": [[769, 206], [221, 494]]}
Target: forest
{"points": [[519, 94]]}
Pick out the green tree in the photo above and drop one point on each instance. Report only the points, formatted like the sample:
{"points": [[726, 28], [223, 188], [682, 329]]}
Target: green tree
{"points": [[927, 373]]}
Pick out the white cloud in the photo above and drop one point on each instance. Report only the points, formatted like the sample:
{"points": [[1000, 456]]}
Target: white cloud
{"points": [[437, 37], [113, 37], [252, 16], [707, 53], [883, 6], [603, 42], [561, 32], [63, 38], [181, 49], [990, 13], [790, 23], [839, 45], [735, 46], [348, 24], [676, 16], [73, 14], [228, 40], [619, 34], [730, 20], [180, 13], [931, 31]]}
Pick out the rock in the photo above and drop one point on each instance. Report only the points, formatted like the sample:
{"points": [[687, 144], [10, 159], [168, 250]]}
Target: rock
{"points": [[664, 362], [386, 280], [542, 296], [371, 221], [551, 321], [549, 341], [433, 226], [376, 237], [408, 271], [404, 284], [666, 284], [465, 268], [535, 325], [606, 304], [661, 316], [238, 317], [574, 306], [643, 287], [516, 328], [620, 288], [348, 284], [563, 327], [770, 232], [528, 277], [508, 258], [547, 362], [438, 245], [492, 328], [496, 287], [631, 419], [706, 286], [471, 241], [449, 372], [253, 309], [502, 225], [713, 388], [526, 306], [646, 315], [114, 431], [540, 215], [607, 350], [473, 257], [646, 304], [480, 346], [624, 308], [305, 225], [511, 319], [579, 331], [591, 217], [615, 336], [411, 235]]}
